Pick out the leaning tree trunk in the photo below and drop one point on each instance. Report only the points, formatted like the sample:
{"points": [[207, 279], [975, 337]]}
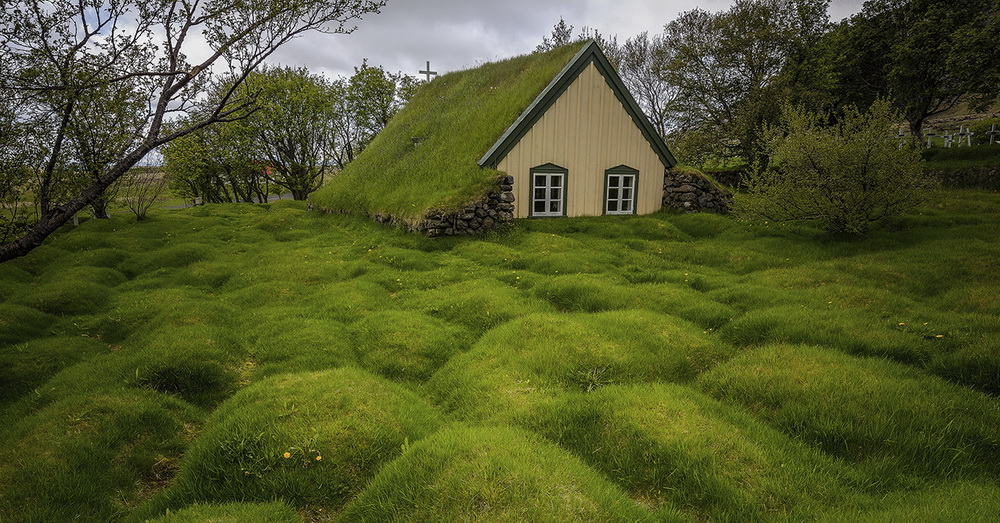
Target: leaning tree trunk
{"points": [[51, 220]]}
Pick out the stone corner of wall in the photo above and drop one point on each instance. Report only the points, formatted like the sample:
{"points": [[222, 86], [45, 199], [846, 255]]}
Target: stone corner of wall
{"points": [[689, 190], [494, 210]]}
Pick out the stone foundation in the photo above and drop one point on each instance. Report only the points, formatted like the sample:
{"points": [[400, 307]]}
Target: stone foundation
{"points": [[688, 190], [497, 208]]}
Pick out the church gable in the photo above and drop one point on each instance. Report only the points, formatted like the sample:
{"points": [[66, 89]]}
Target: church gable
{"points": [[589, 131]]}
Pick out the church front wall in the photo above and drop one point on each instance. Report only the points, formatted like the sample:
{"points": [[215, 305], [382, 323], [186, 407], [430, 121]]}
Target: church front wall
{"points": [[586, 131]]}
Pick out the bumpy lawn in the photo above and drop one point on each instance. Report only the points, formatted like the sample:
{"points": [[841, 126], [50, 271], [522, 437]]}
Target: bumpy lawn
{"points": [[265, 363]]}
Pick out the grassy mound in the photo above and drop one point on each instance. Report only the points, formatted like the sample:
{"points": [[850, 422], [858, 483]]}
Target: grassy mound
{"points": [[98, 455], [890, 418], [233, 513], [26, 366], [460, 115], [534, 359], [405, 345], [490, 474], [312, 439], [478, 304], [959, 501], [667, 444], [19, 323]]}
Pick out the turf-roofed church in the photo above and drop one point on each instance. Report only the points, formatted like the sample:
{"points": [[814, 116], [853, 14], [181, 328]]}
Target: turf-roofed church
{"points": [[544, 135]]}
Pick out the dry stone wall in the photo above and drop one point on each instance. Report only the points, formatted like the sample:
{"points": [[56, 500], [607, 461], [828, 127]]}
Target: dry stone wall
{"points": [[495, 209], [687, 190]]}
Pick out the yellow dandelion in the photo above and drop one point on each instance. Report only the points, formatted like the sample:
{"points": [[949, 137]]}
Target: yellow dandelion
{"points": [[901, 324], [939, 336], [287, 455], [319, 458]]}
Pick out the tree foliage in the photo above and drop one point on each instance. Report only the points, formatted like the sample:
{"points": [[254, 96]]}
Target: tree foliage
{"points": [[725, 65], [299, 127], [844, 176], [94, 81], [562, 34], [925, 55]]}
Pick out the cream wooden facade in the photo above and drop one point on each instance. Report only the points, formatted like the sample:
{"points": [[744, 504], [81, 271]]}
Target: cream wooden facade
{"points": [[586, 131]]}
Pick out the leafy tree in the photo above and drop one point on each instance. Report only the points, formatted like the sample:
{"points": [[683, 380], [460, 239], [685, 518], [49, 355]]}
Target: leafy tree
{"points": [[725, 65], [59, 55], [372, 97], [292, 127], [925, 55], [216, 164], [845, 176], [641, 62], [562, 34]]}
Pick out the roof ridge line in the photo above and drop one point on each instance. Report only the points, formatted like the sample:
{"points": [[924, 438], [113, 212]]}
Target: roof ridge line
{"points": [[590, 53]]}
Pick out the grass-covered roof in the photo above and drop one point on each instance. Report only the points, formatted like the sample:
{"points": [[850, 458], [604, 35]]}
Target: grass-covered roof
{"points": [[460, 116]]}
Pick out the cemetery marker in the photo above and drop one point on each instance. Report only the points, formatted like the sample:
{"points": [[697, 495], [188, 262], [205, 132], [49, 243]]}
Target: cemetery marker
{"points": [[428, 72]]}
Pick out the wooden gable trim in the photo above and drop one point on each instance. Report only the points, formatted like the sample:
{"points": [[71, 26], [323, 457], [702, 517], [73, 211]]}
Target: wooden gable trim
{"points": [[590, 54]]}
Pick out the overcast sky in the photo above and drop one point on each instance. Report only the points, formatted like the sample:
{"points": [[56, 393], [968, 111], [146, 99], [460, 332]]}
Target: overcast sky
{"points": [[458, 34]]}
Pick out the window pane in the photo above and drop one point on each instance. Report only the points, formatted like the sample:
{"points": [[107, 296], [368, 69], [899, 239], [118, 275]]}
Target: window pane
{"points": [[540, 180], [554, 206], [612, 194], [626, 194], [612, 206], [540, 194], [540, 206], [555, 194], [627, 206], [612, 181], [555, 180], [627, 181]]}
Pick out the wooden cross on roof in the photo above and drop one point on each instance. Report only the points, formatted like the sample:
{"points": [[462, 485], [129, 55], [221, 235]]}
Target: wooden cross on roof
{"points": [[428, 71]]}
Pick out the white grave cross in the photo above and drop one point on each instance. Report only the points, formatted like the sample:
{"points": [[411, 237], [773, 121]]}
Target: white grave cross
{"points": [[930, 139], [993, 134], [948, 139], [965, 134]]}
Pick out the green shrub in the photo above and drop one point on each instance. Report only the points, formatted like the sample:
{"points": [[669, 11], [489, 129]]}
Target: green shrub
{"points": [[845, 177], [667, 444], [887, 417], [529, 361], [405, 345], [310, 439], [491, 474]]}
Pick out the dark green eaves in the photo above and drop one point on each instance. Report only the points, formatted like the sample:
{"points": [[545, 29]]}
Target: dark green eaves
{"points": [[590, 53]]}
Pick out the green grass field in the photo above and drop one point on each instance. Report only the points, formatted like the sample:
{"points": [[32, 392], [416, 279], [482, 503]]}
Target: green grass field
{"points": [[265, 363]]}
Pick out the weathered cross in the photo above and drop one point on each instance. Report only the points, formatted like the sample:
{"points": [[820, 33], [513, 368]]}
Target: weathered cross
{"points": [[901, 137], [930, 139], [948, 139], [428, 72], [993, 134], [964, 134]]}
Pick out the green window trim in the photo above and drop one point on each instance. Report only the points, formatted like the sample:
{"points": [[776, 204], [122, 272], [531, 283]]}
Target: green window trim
{"points": [[550, 172], [620, 186]]}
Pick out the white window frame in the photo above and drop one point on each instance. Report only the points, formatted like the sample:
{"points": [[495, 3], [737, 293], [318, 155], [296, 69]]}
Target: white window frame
{"points": [[550, 193], [616, 191]]}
